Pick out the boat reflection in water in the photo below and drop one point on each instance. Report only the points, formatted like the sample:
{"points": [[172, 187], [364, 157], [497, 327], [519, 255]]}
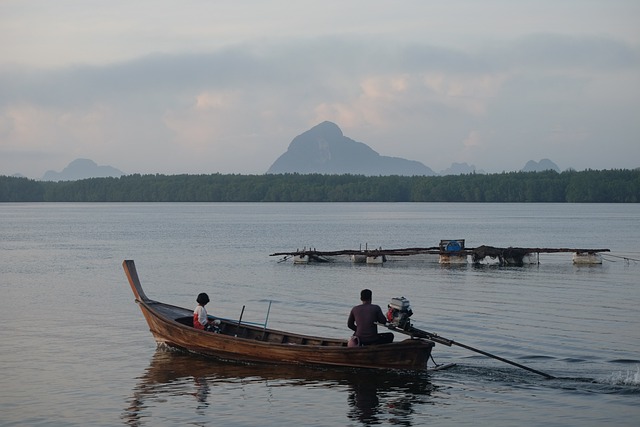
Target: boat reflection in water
{"points": [[183, 387]]}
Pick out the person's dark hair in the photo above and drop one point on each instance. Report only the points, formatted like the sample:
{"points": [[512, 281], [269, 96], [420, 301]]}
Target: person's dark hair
{"points": [[202, 299], [365, 295]]}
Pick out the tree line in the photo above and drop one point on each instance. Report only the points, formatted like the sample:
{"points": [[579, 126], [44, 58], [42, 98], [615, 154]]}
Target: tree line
{"points": [[589, 186]]}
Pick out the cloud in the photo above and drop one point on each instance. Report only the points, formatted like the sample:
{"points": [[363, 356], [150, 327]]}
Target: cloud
{"points": [[329, 64], [473, 140], [237, 108], [551, 51]]}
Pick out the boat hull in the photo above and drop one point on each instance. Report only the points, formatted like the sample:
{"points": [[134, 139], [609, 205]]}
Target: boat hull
{"points": [[170, 325], [584, 258], [452, 259]]}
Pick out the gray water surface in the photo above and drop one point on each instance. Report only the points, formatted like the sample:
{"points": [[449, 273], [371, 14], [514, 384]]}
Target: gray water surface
{"points": [[77, 351]]}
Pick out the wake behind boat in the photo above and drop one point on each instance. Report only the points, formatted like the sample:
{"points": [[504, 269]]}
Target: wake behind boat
{"points": [[235, 341]]}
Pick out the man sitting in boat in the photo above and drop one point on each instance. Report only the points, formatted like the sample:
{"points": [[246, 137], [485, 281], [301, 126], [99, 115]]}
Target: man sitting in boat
{"points": [[200, 317], [363, 318]]}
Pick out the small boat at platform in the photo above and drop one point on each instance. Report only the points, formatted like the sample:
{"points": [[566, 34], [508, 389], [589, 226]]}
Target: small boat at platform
{"points": [[587, 258], [235, 341]]}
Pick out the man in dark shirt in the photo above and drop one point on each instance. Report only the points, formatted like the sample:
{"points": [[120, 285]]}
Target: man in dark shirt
{"points": [[363, 318]]}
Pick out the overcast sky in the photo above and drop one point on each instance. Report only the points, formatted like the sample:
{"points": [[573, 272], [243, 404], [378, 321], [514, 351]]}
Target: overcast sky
{"points": [[203, 86]]}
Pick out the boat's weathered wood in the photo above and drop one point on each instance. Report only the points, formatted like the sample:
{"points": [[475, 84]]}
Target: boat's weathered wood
{"points": [[243, 342], [134, 280]]}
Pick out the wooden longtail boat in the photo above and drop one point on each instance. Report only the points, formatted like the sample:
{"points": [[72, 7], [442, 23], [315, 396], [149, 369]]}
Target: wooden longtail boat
{"points": [[173, 326]]}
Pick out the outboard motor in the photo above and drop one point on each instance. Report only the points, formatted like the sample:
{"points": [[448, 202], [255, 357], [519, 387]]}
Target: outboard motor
{"points": [[399, 313]]}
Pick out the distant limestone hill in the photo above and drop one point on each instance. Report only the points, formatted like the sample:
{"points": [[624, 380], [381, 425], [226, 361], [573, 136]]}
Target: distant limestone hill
{"points": [[460, 169], [541, 166], [324, 149], [82, 169]]}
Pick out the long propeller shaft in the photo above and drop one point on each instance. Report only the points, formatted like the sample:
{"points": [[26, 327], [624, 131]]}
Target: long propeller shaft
{"points": [[418, 333]]}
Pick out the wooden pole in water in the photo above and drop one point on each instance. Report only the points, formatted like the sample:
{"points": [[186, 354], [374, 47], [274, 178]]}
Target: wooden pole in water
{"points": [[267, 318], [264, 329], [239, 321]]}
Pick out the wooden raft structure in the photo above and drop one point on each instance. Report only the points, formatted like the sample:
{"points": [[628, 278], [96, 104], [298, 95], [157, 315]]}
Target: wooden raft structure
{"points": [[450, 251]]}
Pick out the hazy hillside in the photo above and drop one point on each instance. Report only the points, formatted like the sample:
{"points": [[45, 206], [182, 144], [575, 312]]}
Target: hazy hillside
{"points": [[324, 149], [542, 165], [82, 169]]}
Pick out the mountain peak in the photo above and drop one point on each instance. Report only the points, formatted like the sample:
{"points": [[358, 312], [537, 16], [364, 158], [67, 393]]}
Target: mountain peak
{"points": [[324, 149], [542, 165], [326, 129], [82, 169]]}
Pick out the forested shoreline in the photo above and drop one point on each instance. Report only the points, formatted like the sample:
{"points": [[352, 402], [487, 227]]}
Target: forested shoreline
{"points": [[590, 186]]}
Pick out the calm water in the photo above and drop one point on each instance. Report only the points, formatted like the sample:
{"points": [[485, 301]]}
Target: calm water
{"points": [[76, 350]]}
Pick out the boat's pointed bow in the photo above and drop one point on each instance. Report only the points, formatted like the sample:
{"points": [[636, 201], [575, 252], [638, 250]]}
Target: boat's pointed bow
{"points": [[132, 274]]}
